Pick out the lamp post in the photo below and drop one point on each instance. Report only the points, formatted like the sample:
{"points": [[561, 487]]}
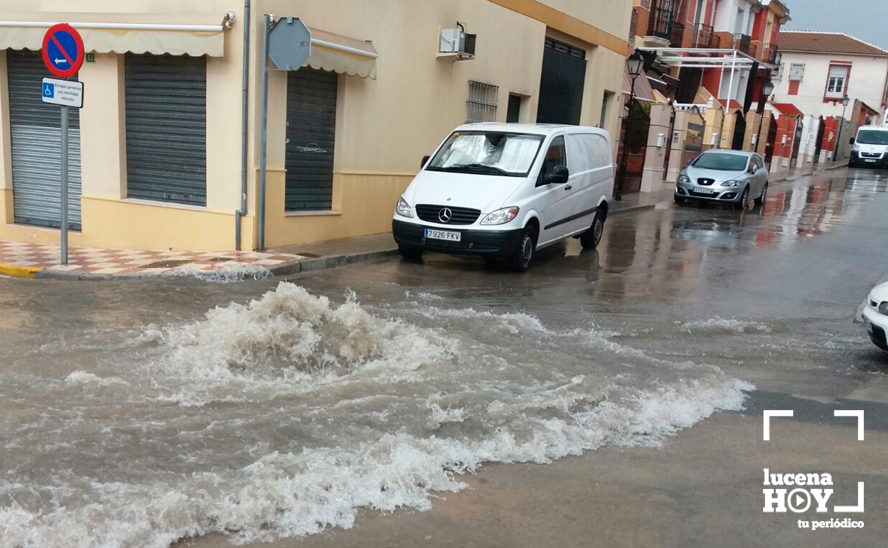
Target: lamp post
{"points": [[845, 101], [767, 90], [635, 64]]}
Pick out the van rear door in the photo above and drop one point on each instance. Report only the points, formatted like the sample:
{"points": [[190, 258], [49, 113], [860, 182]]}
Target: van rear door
{"points": [[589, 158]]}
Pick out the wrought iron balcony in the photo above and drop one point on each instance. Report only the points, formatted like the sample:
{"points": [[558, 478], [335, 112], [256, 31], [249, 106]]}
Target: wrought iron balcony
{"points": [[743, 42], [660, 24], [703, 37], [677, 35]]}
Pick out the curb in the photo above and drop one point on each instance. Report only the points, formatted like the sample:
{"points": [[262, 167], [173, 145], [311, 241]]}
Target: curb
{"points": [[333, 261], [631, 209], [16, 271]]}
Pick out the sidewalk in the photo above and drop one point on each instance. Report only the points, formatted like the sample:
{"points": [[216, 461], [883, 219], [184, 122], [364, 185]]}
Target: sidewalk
{"points": [[29, 260]]}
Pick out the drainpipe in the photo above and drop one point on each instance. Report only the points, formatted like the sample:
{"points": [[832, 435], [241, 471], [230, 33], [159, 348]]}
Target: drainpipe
{"points": [[267, 23], [238, 215]]}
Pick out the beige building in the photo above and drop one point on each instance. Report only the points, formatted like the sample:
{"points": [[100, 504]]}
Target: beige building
{"points": [[156, 152]]}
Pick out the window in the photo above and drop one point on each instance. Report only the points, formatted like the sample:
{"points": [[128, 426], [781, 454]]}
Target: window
{"points": [[487, 153], [514, 113], [604, 106], [311, 139], [482, 102], [555, 156], [837, 81], [166, 128], [796, 72]]}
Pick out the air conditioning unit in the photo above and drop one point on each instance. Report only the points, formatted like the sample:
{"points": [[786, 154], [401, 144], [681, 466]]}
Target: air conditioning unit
{"points": [[457, 43]]}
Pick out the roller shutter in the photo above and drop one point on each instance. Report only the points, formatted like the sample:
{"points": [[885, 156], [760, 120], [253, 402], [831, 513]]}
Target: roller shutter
{"points": [[311, 135], [166, 128], [35, 129]]}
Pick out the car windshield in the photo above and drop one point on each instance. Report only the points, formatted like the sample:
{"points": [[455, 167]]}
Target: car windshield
{"points": [[487, 153], [721, 162], [872, 137]]}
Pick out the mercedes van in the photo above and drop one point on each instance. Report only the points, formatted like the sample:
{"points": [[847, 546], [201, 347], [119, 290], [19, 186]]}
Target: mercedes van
{"points": [[503, 191], [870, 147]]}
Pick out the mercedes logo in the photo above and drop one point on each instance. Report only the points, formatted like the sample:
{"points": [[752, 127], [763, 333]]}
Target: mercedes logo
{"points": [[445, 215]]}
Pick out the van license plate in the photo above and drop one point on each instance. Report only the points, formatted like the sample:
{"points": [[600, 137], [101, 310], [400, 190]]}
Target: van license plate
{"points": [[870, 161], [432, 234]]}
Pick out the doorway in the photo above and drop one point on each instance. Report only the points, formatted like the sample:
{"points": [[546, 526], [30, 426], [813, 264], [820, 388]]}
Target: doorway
{"points": [[561, 86]]}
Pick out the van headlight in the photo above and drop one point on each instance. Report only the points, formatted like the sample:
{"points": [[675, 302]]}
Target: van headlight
{"points": [[856, 148], [732, 184], [684, 179], [500, 216], [403, 208]]}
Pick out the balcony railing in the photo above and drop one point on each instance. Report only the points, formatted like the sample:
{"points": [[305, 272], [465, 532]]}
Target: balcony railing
{"points": [[769, 54], [660, 23], [703, 37], [677, 35], [743, 42]]}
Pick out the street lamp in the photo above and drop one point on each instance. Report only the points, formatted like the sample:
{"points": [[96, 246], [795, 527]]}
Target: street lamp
{"points": [[767, 90], [845, 101], [635, 63]]}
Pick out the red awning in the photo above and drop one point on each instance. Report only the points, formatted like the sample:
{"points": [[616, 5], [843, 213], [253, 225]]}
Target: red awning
{"points": [[643, 90], [787, 109]]}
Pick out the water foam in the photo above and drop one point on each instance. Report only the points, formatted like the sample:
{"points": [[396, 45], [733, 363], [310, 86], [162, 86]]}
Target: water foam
{"points": [[722, 325]]}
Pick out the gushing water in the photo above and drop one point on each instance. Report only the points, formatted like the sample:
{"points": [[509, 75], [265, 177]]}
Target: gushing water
{"points": [[285, 415]]}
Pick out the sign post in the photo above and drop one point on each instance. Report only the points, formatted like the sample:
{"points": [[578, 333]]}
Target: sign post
{"points": [[287, 42], [63, 55]]}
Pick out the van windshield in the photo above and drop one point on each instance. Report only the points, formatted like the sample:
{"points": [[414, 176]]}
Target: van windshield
{"points": [[872, 137], [721, 162], [487, 153]]}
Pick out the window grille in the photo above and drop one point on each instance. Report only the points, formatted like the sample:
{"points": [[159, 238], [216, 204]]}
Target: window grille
{"points": [[796, 72], [482, 102]]}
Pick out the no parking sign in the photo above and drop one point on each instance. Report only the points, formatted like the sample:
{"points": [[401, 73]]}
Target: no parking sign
{"points": [[63, 50]]}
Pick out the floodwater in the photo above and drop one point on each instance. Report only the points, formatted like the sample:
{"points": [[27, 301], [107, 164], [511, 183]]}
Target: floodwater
{"points": [[139, 413]]}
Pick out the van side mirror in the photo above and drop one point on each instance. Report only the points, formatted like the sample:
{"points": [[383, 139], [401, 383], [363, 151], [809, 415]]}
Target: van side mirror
{"points": [[851, 142], [557, 176], [425, 160]]}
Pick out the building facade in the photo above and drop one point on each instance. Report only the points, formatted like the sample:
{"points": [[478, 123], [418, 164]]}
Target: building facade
{"points": [[161, 157], [817, 70]]}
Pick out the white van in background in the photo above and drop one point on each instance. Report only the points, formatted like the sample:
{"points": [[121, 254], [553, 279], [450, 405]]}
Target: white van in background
{"points": [[502, 191], [870, 147]]}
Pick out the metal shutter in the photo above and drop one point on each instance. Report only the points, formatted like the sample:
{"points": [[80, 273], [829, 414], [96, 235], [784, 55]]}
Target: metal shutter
{"points": [[166, 128], [35, 128], [311, 134]]}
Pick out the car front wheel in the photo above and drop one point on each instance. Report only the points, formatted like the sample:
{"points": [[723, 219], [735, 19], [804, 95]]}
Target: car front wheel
{"points": [[761, 199], [744, 199], [524, 254]]}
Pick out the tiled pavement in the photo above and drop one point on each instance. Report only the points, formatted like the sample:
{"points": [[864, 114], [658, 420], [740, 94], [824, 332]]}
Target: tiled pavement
{"points": [[86, 260]]}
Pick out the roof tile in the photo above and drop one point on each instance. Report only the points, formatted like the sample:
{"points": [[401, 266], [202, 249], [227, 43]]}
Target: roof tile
{"points": [[826, 42]]}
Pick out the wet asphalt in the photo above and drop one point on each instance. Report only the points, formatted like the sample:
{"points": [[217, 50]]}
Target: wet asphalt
{"points": [[768, 295]]}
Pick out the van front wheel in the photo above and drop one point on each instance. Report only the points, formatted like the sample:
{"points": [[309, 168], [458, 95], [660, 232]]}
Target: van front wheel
{"points": [[592, 237], [524, 254]]}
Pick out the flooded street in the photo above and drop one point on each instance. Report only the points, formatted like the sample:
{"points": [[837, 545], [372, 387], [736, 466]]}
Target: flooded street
{"points": [[138, 413]]}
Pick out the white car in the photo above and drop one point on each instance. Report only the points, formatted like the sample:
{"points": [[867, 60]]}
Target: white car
{"points": [[502, 191], [875, 316]]}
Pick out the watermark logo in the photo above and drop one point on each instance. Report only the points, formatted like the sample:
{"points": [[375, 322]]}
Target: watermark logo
{"points": [[801, 492]]}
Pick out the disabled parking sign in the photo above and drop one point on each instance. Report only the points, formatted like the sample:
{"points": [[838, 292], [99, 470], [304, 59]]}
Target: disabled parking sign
{"points": [[63, 52]]}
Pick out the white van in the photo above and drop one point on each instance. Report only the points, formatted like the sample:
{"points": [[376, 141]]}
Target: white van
{"points": [[870, 147], [502, 191]]}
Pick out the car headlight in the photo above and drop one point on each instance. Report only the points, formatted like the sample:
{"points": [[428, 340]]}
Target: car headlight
{"points": [[500, 216], [403, 209], [684, 179], [732, 184], [883, 308]]}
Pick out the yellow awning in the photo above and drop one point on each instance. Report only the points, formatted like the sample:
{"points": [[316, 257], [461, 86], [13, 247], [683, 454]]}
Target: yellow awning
{"points": [[104, 33], [342, 55]]}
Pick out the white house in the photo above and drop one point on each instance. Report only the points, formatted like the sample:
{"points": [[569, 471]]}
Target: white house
{"points": [[817, 70]]}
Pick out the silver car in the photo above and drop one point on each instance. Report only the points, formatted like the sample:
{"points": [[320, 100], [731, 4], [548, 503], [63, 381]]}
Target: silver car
{"points": [[727, 176]]}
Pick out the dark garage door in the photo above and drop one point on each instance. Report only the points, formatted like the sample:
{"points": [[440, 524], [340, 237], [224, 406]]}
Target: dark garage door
{"points": [[561, 87]]}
